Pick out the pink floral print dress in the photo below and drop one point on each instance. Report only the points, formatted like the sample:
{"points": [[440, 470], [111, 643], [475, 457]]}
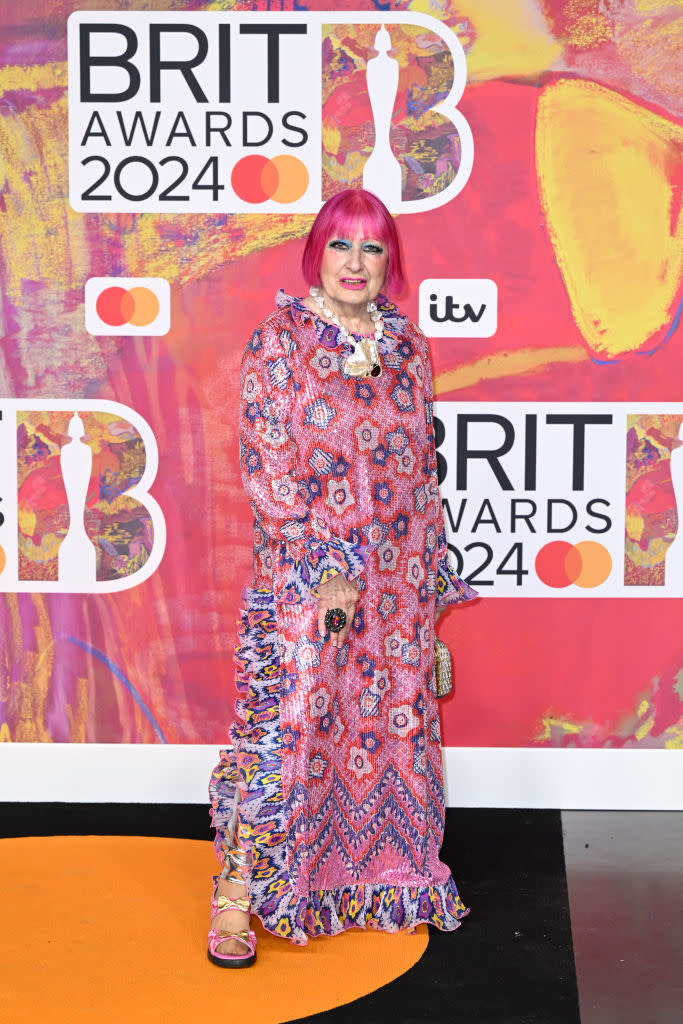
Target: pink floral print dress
{"points": [[333, 788]]}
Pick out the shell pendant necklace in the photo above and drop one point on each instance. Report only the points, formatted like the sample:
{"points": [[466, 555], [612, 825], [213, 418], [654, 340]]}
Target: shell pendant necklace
{"points": [[364, 361]]}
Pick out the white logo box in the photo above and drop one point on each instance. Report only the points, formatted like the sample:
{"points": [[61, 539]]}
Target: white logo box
{"points": [[161, 288], [458, 307], [9, 576], [564, 464]]}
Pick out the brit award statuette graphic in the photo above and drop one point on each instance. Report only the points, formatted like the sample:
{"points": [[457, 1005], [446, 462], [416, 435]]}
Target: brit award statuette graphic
{"points": [[77, 515], [382, 171], [77, 556]]}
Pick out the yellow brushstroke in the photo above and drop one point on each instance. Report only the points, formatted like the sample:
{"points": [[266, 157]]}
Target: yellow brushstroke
{"points": [[42, 662], [27, 519], [607, 178], [635, 525], [585, 25], [331, 137], [350, 168], [642, 730], [149, 254], [43, 552], [78, 716], [654, 553], [28, 695], [651, 6], [33, 77], [5, 736], [568, 728], [505, 364], [511, 39], [676, 738]]}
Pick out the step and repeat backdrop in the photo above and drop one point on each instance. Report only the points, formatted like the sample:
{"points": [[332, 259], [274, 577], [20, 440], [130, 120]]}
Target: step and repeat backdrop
{"points": [[161, 167]]}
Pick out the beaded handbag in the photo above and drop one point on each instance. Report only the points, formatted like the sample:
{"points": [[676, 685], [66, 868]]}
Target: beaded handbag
{"points": [[442, 668]]}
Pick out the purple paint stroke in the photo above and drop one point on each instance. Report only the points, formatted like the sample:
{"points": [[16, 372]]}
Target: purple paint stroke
{"points": [[126, 683]]}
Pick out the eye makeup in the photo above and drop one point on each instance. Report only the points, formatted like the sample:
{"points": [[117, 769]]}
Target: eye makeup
{"points": [[372, 248]]}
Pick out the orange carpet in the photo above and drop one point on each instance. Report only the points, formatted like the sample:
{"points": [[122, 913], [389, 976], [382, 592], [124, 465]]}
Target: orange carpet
{"points": [[113, 928]]}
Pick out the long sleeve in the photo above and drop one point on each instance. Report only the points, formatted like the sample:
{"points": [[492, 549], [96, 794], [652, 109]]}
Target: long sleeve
{"points": [[450, 589], [309, 552]]}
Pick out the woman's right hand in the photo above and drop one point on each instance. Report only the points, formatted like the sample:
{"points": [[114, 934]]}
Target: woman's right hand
{"points": [[337, 593]]}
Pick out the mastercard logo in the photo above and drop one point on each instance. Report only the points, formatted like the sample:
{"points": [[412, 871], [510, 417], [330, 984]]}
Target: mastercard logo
{"points": [[256, 178], [116, 306], [587, 564], [127, 305]]}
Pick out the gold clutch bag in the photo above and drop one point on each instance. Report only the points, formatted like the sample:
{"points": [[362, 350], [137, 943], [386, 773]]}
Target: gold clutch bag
{"points": [[442, 668]]}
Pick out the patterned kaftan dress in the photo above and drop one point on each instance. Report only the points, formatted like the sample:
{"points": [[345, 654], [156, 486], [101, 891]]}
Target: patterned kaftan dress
{"points": [[333, 790]]}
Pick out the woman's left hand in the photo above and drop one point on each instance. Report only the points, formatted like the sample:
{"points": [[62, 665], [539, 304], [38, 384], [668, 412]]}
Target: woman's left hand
{"points": [[337, 593]]}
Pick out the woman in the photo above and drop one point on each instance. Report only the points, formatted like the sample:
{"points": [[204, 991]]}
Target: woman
{"points": [[329, 810]]}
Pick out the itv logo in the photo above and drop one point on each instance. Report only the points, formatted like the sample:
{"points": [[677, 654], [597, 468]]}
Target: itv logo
{"points": [[458, 307]]}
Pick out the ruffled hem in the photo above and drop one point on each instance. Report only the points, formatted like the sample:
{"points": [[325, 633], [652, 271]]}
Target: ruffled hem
{"points": [[322, 561], [450, 589], [386, 908], [222, 790]]}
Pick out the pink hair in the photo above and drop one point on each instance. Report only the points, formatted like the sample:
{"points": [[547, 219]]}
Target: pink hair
{"points": [[341, 216]]}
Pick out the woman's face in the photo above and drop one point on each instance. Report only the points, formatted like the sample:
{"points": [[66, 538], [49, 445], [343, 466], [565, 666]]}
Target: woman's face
{"points": [[353, 269]]}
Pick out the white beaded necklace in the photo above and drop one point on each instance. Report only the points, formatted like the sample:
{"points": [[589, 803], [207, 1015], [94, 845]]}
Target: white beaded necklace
{"points": [[364, 361]]}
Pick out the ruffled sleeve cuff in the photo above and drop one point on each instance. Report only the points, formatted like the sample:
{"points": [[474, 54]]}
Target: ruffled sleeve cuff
{"points": [[296, 579], [450, 589]]}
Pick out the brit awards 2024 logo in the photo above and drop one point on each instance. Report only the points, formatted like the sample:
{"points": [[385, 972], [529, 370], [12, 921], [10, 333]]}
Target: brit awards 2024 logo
{"points": [[564, 499], [76, 514], [255, 112]]}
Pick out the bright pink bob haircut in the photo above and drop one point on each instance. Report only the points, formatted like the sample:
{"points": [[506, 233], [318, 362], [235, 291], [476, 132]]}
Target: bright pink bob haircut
{"points": [[340, 216]]}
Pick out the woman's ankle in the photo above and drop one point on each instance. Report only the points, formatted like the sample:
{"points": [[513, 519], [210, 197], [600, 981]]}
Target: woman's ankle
{"points": [[229, 887]]}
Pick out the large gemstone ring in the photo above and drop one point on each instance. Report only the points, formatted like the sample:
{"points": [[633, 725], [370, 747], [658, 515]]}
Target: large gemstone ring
{"points": [[335, 619]]}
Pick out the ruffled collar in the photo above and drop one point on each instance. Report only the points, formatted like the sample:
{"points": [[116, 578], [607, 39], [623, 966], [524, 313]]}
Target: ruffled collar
{"points": [[329, 336]]}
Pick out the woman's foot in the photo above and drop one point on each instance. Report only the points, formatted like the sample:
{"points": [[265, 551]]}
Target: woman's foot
{"points": [[231, 920]]}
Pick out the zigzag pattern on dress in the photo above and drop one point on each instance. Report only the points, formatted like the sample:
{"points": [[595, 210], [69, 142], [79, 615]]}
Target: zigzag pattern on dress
{"points": [[389, 804], [331, 842]]}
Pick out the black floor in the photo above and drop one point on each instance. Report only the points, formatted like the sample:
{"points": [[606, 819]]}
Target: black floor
{"points": [[511, 962]]}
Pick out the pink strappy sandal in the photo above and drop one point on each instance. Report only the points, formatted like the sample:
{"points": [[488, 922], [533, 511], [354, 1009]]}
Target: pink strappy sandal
{"points": [[216, 936]]}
